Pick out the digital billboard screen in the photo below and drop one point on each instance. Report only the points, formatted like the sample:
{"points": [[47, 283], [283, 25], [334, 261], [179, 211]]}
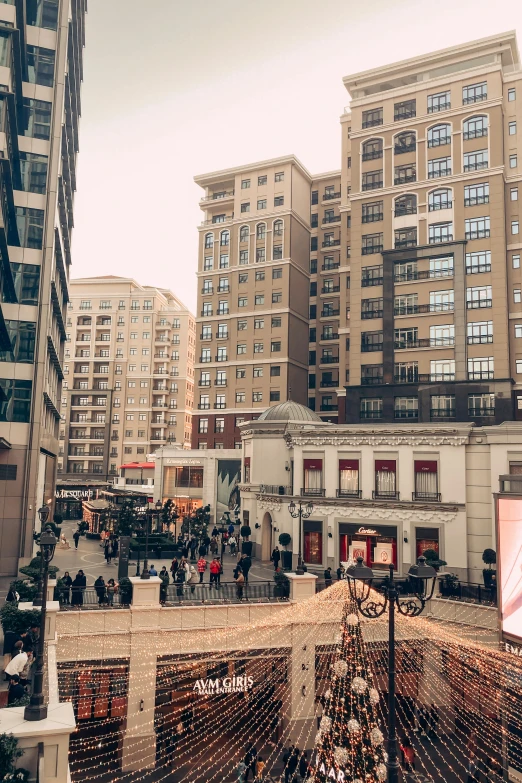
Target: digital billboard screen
{"points": [[509, 564]]}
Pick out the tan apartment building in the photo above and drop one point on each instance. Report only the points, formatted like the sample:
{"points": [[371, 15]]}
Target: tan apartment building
{"points": [[253, 296], [41, 73], [129, 376], [415, 291]]}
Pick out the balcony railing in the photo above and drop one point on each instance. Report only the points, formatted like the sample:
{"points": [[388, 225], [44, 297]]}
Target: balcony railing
{"points": [[482, 234], [436, 205], [474, 200], [373, 217], [220, 358], [331, 243], [429, 497], [484, 411], [372, 184], [372, 380], [368, 314], [220, 383], [370, 249], [437, 240], [477, 133], [424, 274], [475, 270], [330, 196], [437, 414], [479, 339], [329, 385], [400, 149], [312, 492], [275, 489], [372, 123], [406, 414], [476, 304], [442, 106], [330, 267], [325, 407], [349, 493], [333, 336], [402, 179], [381, 494], [203, 406], [329, 313], [425, 342], [402, 243], [329, 360], [204, 383], [481, 375], [440, 141], [370, 415], [438, 307], [475, 98], [372, 155], [371, 347], [442, 172], [466, 592], [333, 290], [366, 282], [480, 164], [408, 209], [332, 219]]}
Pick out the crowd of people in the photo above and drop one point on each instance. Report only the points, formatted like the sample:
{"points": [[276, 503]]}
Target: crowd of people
{"points": [[21, 650]]}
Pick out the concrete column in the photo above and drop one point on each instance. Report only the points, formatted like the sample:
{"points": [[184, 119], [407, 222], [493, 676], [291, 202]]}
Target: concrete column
{"points": [[51, 584], [51, 734], [302, 586], [145, 592], [139, 742], [299, 704], [330, 472]]}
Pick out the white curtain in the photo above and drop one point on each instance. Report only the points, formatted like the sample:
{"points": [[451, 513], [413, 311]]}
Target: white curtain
{"points": [[313, 478], [426, 483], [349, 480], [385, 481]]}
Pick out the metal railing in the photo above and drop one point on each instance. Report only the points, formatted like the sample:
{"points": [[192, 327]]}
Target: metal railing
{"points": [[467, 591], [89, 598], [309, 492], [379, 494], [220, 593], [349, 493], [275, 489], [426, 496]]}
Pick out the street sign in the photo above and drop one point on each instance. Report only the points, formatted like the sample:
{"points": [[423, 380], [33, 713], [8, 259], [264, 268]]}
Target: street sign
{"points": [[123, 562]]}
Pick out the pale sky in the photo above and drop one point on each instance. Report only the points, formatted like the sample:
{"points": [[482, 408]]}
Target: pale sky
{"points": [[173, 89]]}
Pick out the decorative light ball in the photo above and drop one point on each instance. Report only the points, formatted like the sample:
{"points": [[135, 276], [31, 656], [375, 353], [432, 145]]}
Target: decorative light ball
{"points": [[374, 696], [340, 668], [352, 619], [359, 685], [327, 694], [353, 726], [341, 756], [326, 723], [381, 772], [377, 737]]}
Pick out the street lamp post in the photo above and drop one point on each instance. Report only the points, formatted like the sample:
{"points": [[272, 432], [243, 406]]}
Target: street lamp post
{"points": [[372, 608], [43, 515], [298, 512], [148, 522], [37, 709]]}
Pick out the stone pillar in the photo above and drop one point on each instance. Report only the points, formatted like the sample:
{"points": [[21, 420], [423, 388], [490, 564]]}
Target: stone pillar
{"points": [[139, 742], [145, 592], [53, 607], [52, 734], [51, 584], [299, 704], [302, 586]]}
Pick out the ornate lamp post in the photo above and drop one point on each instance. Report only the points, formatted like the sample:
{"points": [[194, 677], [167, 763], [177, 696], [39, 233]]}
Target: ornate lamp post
{"points": [[43, 515], [37, 709], [371, 607], [148, 523], [300, 512]]}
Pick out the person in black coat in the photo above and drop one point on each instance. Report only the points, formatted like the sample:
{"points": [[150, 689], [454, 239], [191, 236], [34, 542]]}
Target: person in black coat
{"points": [[250, 761], [328, 577], [78, 585], [276, 557], [99, 586], [16, 689], [180, 579], [66, 589], [246, 564]]}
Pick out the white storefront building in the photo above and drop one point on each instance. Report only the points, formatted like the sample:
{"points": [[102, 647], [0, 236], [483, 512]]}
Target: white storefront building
{"points": [[387, 492]]}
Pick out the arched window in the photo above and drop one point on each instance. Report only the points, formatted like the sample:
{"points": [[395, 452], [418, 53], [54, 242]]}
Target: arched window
{"points": [[224, 238], [278, 228], [372, 149], [475, 127], [209, 240], [404, 142], [261, 230], [244, 233], [406, 205], [439, 199], [439, 135]]}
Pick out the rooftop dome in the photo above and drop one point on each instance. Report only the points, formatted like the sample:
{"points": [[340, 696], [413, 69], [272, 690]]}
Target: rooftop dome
{"points": [[289, 411]]}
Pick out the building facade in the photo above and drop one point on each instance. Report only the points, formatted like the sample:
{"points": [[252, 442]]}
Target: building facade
{"points": [[387, 492], [129, 376], [41, 65], [414, 286]]}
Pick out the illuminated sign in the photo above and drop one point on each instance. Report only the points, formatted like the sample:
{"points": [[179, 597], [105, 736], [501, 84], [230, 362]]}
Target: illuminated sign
{"points": [[225, 685], [513, 649], [509, 535], [367, 531], [182, 462], [76, 494]]}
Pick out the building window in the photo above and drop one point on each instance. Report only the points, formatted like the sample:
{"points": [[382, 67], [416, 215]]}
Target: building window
{"points": [[512, 161], [371, 408], [245, 184], [348, 477], [240, 397], [404, 110], [275, 346], [313, 476], [426, 480], [385, 478], [372, 149], [277, 252], [515, 260], [475, 160], [512, 94], [517, 295], [475, 127], [438, 199], [275, 371], [478, 261], [480, 332], [262, 180], [442, 370], [474, 92], [513, 194], [40, 65], [512, 128], [481, 404], [372, 117], [275, 396], [477, 228], [476, 194], [371, 180], [313, 542], [277, 297], [258, 347], [26, 278], [260, 255], [478, 297], [514, 226], [439, 101], [440, 232], [406, 407], [37, 116], [279, 201], [257, 396], [33, 169], [279, 176], [241, 348], [208, 263], [439, 135], [245, 207], [30, 226], [480, 369]]}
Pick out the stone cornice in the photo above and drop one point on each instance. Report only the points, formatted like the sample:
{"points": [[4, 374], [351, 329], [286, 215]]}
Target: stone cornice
{"points": [[389, 437]]}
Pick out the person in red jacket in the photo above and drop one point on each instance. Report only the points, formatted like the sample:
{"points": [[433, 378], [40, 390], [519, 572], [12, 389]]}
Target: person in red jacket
{"points": [[215, 570], [202, 567]]}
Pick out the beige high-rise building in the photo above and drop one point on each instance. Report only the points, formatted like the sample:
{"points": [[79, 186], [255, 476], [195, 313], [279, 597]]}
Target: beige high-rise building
{"points": [[129, 376], [414, 296], [41, 62]]}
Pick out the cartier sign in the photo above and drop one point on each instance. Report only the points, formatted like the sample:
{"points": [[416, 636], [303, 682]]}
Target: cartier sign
{"points": [[367, 531], [76, 494]]}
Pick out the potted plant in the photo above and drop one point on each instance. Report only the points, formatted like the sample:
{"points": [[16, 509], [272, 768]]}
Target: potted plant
{"points": [[489, 557], [246, 546], [125, 591], [9, 753], [25, 588], [286, 556], [449, 585], [33, 569], [282, 585], [433, 559]]}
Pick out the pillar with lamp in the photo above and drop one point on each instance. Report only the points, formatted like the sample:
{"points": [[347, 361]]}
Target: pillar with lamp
{"points": [[300, 512], [371, 605], [37, 709], [43, 516], [154, 508]]}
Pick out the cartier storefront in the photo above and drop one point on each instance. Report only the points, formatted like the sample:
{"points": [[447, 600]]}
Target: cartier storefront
{"points": [[376, 544]]}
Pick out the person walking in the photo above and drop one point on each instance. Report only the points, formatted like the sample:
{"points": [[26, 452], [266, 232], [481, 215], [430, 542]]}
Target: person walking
{"points": [[192, 579], [107, 551], [66, 589], [180, 579], [246, 564], [202, 567], [232, 543], [240, 581], [250, 760], [328, 577], [173, 568], [213, 545], [112, 589], [473, 769], [220, 562], [76, 536], [206, 542], [408, 755], [163, 573], [292, 765], [276, 557], [214, 572], [223, 545], [241, 769], [260, 765], [99, 586]]}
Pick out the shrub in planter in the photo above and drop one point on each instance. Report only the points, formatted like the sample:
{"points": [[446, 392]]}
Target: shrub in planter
{"points": [[285, 539], [9, 753], [125, 591], [13, 619], [433, 559], [489, 557], [449, 584], [25, 589], [33, 569], [282, 585], [246, 532]]}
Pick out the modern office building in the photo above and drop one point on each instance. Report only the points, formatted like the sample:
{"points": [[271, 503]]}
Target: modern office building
{"points": [[41, 73], [129, 376], [414, 299]]}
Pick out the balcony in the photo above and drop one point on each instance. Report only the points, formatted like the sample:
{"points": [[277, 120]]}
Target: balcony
{"points": [[328, 407], [425, 342], [402, 243], [400, 149], [206, 313], [333, 290], [403, 179], [381, 494], [442, 172], [440, 141], [438, 307], [373, 415], [478, 133], [437, 240], [226, 219], [374, 217], [436, 205], [329, 313], [480, 164], [158, 437], [426, 497], [313, 492], [207, 291], [372, 185], [370, 249], [475, 200], [217, 197], [481, 234], [223, 290], [437, 414], [333, 336], [479, 339], [330, 385], [205, 359], [481, 412], [367, 282], [220, 406], [331, 243], [373, 155], [481, 375], [221, 383], [333, 219], [221, 335], [366, 315], [371, 347], [372, 123], [330, 267], [475, 98], [330, 196], [203, 406], [372, 380], [441, 106], [406, 414], [476, 304], [408, 209], [329, 360], [220, 358], [349, 493]]}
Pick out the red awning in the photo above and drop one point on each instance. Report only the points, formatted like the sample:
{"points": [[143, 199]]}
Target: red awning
{"points": [[247, 461], [139, 465], [313, 464], [425, 466], [348, 464], [385, 464]]}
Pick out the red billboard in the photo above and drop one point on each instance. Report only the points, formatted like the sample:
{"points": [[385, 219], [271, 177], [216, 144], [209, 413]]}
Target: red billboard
{"points": [[509, 564]]}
